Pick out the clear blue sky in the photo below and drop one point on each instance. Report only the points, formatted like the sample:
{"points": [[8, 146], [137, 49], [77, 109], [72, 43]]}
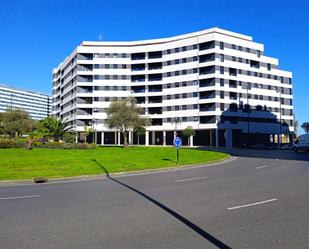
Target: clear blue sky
{"points": [[36, 35]]}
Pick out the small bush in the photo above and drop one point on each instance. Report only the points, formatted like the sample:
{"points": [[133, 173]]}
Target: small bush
{"points": [[12, 143]]}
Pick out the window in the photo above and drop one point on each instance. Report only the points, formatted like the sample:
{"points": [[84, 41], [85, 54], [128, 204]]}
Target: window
{"points": [[194, 70], [240, 48], [184, 60], [168, 63], [168, 97], [258, 53], [184, 48], [177, 84], [195, 46], [184, 72], [177, 61], [268, 67], [221, 82], [176, 96], [221, 95], [176, 73], [221, 70], [195, 118], [184, 95], [195, 94], [177, 108], [222, 107], [169, 51], [168, 86], [233, 46], [222, 57], [195, 106], [195, 58], [115, 66], [184, 119], [168, 108], [233, 58], [239, 59], [221, 45], [176, 50], [248, 50], [184, 107]]}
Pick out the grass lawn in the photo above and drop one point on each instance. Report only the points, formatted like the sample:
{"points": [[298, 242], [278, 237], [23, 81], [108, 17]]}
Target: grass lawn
{"points": [[17, 164]]}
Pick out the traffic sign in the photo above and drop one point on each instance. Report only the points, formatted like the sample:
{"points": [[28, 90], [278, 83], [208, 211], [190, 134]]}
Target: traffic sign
{"points": [[177, 142]]}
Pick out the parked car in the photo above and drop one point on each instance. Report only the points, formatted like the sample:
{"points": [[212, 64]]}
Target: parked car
{"points": [[302, 143]]}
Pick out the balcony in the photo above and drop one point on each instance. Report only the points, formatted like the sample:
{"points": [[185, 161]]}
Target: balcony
{"points": [[155, 66], [207, 95], [138, 89], [233, 84], [155, 99], [207, 82], [206, 58], [207, 45], [207, 107], [155, 88], [154, 77], [207, 70], [233, 71], [85, 68], [138, 78], [85, 56], [138, 56], [138, 67], [155, 55], [155, 110]]}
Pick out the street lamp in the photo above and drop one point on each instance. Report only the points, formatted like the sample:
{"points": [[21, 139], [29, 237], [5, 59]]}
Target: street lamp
{"points": [[248, 112], [279, 89], [94, 138], [176, 120]]}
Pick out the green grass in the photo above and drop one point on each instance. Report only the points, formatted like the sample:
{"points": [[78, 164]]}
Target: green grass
{"points": [[18, 164]]}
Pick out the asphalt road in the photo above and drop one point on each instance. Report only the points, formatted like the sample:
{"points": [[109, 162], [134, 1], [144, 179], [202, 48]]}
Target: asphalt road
{"points": [[259, 200]]}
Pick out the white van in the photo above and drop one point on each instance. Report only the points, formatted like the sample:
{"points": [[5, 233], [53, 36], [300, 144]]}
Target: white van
{"points": [[302, 143]]}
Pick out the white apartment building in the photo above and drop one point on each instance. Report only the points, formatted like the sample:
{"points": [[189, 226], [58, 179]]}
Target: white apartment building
{"points": [[217, 81], [38, 105]]}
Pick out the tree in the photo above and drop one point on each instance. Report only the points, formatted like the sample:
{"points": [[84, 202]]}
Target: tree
{"points": [[54, 128], [15, 122], [305, 126], [188, 132], [140, 131], [125, 115]]}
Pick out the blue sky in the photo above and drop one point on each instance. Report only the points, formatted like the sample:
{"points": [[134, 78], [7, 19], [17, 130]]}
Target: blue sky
{"points": [[37, 35]]}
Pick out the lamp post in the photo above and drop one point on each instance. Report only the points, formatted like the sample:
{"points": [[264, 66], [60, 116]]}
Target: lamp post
{"points": [[280, 126], [176, 120], [248, 113], [94, 138]]}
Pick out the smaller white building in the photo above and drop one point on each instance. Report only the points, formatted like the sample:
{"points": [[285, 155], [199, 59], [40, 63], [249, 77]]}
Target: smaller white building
{"points": [[38, 105]]}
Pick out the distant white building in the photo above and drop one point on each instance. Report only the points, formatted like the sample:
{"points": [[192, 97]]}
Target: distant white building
{"points": [[38, 105], [217, 81]]}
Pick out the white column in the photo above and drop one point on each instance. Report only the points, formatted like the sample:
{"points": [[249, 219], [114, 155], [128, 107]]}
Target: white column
{"points": [[191, 141], [147, 138], [217, 137], [153, 135], [229, 138], [76, 138], [164, 138], [118, 134], [102, 138], [130, 137], [115, 141]]}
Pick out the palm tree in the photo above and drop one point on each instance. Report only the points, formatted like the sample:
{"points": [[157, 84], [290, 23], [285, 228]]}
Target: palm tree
{"points": [[54, 128]]}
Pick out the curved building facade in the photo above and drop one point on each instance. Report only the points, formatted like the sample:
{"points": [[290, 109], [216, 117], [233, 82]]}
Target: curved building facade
{"points": [[218, 82]]}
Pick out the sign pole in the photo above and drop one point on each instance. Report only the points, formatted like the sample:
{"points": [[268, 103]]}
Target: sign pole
{"points": [[177, 155]]}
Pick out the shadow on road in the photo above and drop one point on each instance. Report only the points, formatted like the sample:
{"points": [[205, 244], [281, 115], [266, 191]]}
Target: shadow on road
{"points": [[182, 219], [266, 154]]}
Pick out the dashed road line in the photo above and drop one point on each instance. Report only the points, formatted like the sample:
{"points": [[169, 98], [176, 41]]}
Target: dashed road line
{"points": [[261, 167], [191, 179], [252, 204], [19, 197]]}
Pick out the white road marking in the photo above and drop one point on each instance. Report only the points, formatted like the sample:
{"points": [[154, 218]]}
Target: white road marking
{"points": [[19, 197], [252, 204], [261, 167], [191, 179]]}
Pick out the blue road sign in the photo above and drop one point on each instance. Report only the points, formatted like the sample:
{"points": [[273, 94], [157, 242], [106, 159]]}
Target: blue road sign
{"points": [[177, 142]]}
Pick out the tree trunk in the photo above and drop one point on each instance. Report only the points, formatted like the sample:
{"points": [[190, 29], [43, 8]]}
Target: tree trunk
{"points": [[125, 139]]}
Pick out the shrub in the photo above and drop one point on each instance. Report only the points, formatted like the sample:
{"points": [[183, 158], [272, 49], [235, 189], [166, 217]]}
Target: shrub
{"points": [[12, 143], [69, 137]]}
